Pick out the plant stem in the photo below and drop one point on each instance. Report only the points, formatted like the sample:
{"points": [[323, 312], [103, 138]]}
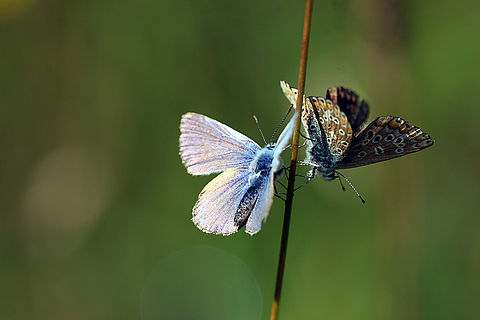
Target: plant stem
{"points": [[293, 161]]}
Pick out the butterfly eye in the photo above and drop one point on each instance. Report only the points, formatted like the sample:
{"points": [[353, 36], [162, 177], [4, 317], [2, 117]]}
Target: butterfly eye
{"points": [[344, 143], [336, 120], [362, 154], [341, 132], [399, 150], [398, 140], [329, 141]]}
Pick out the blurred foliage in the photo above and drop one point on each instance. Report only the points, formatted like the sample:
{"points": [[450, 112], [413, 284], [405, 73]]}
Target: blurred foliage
{"points": [[93, 195]]}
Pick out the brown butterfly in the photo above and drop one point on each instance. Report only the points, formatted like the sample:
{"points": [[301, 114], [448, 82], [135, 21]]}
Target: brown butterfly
{"points": [[336, 138]]}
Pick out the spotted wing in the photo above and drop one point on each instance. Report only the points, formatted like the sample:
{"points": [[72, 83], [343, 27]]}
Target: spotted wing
{"points": [[334, 122], [338, 131], [349, 102], [208, 146], [218, 202], [383, 139], [289, 92]]}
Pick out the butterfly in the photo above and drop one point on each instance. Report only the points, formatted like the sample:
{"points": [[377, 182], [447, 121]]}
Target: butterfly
{"points": [[243, 193], [337, 138]]}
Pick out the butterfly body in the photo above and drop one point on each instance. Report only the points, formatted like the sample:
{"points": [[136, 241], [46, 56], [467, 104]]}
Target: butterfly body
{"points": [[260, 169], [337, 137], [263, 160]]}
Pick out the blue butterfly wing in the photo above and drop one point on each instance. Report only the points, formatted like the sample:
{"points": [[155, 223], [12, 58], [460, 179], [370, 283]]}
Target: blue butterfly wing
{"points": [[218, 202], [262, 206], [208, 146], [348, 101]]}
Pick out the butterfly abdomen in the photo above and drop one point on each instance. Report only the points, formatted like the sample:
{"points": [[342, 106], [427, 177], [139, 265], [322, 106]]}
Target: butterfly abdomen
{"points": [[249, 199], [246, 206]]}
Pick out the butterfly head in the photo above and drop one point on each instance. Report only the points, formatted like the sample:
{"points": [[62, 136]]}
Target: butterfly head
{"points": [[271, 145]]}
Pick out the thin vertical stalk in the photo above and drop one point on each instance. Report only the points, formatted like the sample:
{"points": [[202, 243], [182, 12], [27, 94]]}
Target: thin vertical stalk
{"points": [[293, 161]]}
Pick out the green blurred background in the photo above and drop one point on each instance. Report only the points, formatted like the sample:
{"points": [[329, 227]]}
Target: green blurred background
{"points": [[95, 204]]}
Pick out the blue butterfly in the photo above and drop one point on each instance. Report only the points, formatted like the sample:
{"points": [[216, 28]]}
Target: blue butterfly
{"points": [[243, 193]]}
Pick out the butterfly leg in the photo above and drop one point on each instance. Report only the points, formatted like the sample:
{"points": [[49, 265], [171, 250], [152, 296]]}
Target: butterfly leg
{"points": [[309, 178], [303, 144], [285, 187], [276, 193], [306, 139], [302, 176], [303, 164], [299, 164], [340, 180], [280, 172], [351, 185], [285, 170], [303, 136], [300, 146]]}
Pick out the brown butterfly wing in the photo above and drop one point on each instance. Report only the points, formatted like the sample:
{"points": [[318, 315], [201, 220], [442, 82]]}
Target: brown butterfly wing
{"points": [[317, 112], [349, 102], [338, 132], [383, 139]]}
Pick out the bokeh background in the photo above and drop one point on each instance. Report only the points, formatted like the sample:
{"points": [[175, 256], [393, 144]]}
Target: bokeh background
{"points": [[95, 204]]}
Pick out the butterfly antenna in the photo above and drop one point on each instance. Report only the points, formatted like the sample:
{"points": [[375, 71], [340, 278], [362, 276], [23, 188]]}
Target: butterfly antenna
{"points": [[283, 120], [351, 185], [258, 126], [341, 183]]}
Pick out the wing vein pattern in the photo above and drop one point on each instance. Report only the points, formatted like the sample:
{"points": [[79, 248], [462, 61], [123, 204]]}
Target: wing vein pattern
{"points": [[208, 146]]}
